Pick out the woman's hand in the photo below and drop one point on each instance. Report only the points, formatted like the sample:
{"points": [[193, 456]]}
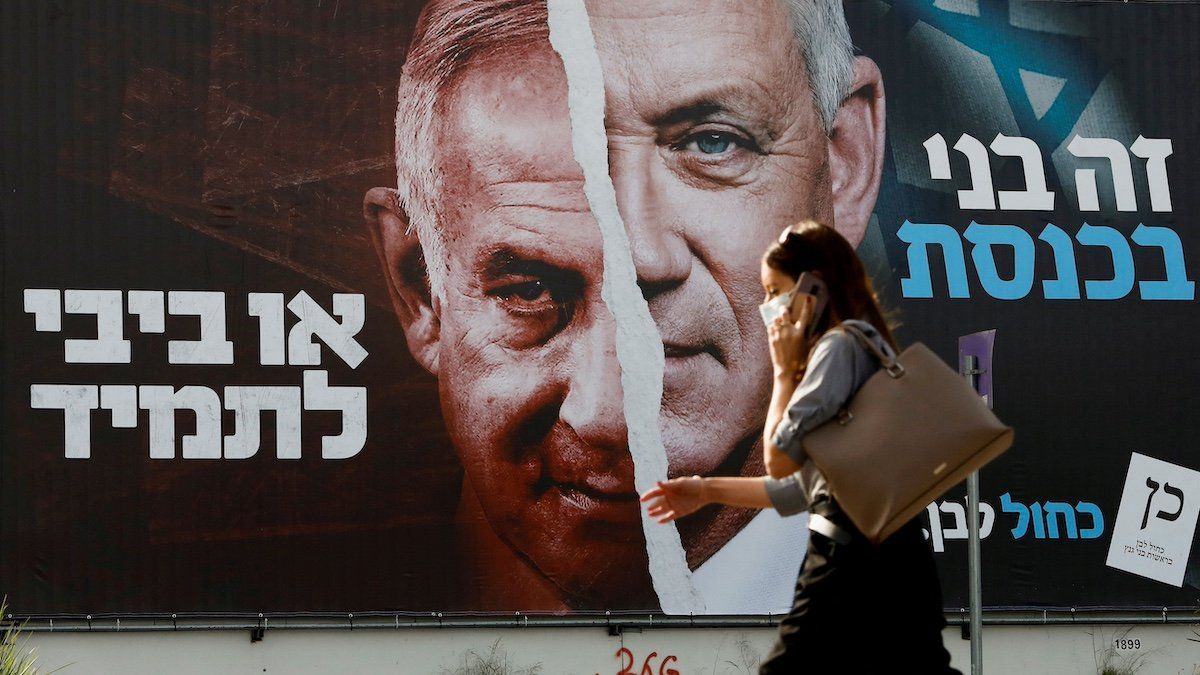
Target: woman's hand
{"points": [[789, 339], [676, 498]]}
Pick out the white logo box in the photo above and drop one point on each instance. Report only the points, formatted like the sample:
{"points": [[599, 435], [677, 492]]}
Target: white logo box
{"points": [[1156, 522]]}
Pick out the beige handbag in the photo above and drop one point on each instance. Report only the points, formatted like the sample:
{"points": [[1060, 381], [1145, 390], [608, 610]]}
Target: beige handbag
{"points": [[915, 429]]}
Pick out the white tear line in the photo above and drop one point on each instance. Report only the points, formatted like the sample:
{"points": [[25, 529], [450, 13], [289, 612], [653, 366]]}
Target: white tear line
{"points": [[639, 345]]}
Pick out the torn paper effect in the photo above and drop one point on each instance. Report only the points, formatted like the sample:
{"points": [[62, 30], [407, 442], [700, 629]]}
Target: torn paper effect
{"points": [[639, 345]]}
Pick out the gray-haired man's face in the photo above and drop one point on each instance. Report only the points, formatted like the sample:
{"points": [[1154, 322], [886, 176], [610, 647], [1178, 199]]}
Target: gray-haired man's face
{"points": [[714, 145]]}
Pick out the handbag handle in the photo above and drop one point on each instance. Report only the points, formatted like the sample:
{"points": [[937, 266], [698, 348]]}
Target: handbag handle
{"points": [[890, 364]]}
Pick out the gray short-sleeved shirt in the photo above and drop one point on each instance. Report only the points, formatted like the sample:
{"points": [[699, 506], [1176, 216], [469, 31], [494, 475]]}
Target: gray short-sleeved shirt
{"points": [[839, 365]]}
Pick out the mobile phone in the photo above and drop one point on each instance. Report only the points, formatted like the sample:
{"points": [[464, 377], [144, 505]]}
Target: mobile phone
{"points": [[810, 284]]}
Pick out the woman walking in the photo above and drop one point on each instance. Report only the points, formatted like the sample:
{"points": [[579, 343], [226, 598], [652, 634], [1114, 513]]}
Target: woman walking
{"points": [[859, 608]]}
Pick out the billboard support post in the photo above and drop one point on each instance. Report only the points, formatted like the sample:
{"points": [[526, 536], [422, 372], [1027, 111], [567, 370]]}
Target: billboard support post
{"points": [[975, 364], [975, 591]]}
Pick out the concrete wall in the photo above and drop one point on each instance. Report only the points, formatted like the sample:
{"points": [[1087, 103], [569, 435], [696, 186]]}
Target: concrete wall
{"points": [[1023, 650]]}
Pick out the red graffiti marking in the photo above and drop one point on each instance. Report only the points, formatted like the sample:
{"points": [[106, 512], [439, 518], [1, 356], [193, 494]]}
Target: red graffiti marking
{"points": [[628, 661]]}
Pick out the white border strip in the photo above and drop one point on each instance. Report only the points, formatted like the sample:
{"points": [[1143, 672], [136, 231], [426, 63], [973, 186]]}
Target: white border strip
{"points": [[639, 345]]}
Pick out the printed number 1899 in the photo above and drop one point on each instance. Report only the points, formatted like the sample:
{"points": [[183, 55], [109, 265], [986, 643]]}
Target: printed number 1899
{"points": [[1134, 643]]}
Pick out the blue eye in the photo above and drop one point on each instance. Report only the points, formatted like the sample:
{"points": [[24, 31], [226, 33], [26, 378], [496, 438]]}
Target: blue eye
{"points": [[713, 143]]}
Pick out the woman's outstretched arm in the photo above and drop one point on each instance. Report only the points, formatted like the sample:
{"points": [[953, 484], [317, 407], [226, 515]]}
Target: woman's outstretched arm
{"points": [[678, 497]]}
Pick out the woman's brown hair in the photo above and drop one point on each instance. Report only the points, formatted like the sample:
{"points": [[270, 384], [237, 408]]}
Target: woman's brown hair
{"points": [[812, 247]]}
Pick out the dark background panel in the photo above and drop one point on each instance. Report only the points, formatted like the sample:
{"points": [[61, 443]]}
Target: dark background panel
{"points": [[137, 136], [1085, 383]]}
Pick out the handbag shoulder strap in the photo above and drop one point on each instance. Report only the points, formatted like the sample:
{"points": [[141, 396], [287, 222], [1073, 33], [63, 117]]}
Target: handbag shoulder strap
{"points": [[889, 363]]}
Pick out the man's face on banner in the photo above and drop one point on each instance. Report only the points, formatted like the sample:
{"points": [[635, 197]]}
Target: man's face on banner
{"points": [[714, 146]]}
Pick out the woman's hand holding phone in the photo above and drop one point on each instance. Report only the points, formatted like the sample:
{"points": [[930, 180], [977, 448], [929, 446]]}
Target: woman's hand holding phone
{"points": [[789, 337]]}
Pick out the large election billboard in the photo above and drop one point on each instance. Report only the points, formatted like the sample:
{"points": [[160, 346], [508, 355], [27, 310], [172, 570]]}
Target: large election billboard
{"points": [[396, 306]]}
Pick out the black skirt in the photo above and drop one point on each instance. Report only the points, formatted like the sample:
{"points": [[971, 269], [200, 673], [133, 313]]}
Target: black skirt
{"points": [[861, 608]]}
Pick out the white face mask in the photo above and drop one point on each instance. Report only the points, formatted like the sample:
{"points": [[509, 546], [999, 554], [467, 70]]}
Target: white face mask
{"points": [[776, 306]]}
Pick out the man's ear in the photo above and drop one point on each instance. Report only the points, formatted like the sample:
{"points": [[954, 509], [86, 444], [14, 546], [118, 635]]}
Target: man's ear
{"points": [[856, 149], [404, 271]]}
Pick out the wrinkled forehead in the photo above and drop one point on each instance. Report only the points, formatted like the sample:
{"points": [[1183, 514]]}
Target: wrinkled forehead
{"points": [[754, 24], [506, 120], [667, 46]]}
